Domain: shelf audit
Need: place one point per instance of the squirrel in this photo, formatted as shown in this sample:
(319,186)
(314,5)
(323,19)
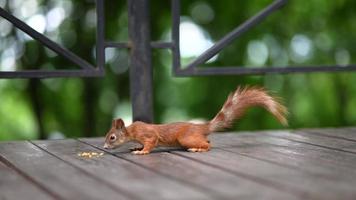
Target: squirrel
(194,137)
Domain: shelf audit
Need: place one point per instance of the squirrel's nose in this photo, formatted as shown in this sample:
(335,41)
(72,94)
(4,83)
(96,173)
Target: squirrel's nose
(106,146)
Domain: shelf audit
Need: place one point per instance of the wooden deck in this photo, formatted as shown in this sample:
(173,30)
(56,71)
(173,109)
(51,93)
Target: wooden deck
(303,164)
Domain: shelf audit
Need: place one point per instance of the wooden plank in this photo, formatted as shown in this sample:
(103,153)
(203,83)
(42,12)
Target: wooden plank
(137,181)
(218,183)
(62,179)
(298,159)
(340,133)
(307,186)
(14,186)
(309,138)
(290,152)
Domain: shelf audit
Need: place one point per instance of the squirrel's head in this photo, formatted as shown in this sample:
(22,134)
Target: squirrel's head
(117,135)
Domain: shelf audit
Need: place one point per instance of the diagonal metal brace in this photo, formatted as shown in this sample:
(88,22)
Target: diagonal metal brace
(227,39)
(45,40)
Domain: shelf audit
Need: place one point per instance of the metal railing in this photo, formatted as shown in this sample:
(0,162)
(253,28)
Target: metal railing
(141,46)
(193,68)
(87,69)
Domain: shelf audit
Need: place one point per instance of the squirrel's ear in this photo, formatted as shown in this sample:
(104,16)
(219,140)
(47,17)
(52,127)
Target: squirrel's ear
(118,123)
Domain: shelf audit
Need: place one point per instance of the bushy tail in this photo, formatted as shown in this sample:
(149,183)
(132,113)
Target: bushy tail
(242,99)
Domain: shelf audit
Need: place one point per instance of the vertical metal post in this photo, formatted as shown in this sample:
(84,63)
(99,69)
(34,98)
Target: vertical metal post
(175,7)
(141,73)
(100,35)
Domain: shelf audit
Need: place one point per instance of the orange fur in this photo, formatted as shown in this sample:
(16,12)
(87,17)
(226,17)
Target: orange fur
(190,136)
(239,101)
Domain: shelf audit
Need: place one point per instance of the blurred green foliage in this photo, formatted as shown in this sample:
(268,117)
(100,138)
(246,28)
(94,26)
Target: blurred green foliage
(312,32)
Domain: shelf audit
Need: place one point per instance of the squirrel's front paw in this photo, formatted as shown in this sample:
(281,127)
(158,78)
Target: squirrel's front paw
(142,152)
(136,149)
(198,149)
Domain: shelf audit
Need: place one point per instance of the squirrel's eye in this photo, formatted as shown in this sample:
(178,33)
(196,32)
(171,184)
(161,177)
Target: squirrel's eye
(112,137)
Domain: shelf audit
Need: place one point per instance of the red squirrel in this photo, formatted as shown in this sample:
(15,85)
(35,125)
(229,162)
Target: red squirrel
(190,136)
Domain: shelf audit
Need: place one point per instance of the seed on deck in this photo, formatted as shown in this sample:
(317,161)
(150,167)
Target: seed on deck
(90,154)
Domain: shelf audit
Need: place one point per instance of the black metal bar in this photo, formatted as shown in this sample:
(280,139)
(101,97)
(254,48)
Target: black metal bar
(226,40)
(45,40)
(125,45)
(100,34)
(141,72)
(162,45)
(51,73)
(175,7)
(120,45)
(236,70)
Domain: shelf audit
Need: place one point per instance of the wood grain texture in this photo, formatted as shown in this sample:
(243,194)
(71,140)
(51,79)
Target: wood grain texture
(14,186)
(339,133)
(215,182)
(310,138)
(290,153)
(302,164)
(120,174)
(65,181)
(293,168)
(296,182)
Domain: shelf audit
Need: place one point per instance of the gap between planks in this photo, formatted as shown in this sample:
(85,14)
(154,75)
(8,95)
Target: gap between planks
(179,158)
(60,186)
(118,172)
(331,160)
(283,137)
(282,146)
(28,178)
(87,173)
(253,177)
(342,187)
(198,187)
(340,133)
(313,143)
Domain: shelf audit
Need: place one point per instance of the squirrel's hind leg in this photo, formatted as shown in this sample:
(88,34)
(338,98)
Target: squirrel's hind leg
(195,143)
